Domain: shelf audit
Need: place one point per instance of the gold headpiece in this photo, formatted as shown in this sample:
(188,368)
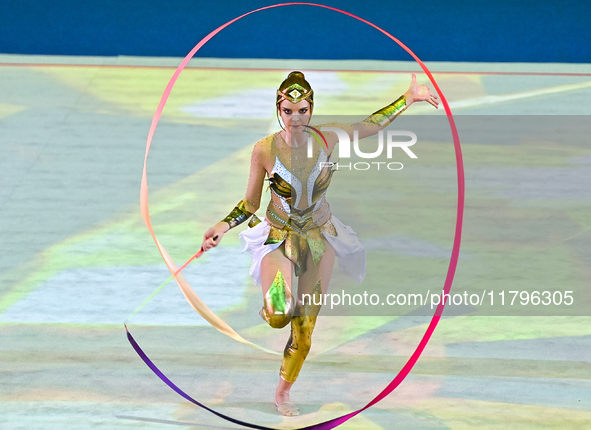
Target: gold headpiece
(295,93)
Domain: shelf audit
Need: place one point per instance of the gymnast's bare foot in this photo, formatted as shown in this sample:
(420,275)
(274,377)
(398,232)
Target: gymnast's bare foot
(284,405)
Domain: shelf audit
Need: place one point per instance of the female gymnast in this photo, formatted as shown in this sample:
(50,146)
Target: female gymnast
(299,236)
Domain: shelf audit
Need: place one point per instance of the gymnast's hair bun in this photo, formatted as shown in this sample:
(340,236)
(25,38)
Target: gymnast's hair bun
(296,75)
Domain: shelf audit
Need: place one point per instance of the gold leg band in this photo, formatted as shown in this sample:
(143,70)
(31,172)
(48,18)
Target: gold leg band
(300,340)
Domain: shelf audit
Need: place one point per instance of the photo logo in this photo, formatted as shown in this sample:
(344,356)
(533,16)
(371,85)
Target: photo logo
(345,147)
(345,143)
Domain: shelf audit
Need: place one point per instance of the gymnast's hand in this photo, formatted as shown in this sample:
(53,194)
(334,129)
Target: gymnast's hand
(420,93)
(213,236)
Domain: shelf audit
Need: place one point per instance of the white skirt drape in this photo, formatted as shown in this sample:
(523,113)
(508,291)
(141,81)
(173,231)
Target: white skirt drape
(346,245)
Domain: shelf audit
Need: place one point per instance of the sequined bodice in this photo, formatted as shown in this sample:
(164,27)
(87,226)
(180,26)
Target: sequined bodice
(289,188)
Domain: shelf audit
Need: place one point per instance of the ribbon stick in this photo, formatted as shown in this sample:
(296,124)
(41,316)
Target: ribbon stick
(218,323)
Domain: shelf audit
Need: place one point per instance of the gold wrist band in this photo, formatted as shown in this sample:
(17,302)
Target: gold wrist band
(386,115)
(238,215)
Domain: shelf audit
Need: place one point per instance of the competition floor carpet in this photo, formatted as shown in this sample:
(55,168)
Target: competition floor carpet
(77,259)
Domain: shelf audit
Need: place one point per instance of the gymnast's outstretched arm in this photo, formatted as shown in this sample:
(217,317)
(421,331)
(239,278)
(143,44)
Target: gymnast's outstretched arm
(383,117)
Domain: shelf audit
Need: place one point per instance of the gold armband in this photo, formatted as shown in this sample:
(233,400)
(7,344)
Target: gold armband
(238,215)
(387,114)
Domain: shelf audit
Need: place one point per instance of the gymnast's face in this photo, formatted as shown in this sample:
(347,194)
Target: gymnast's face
(295,115)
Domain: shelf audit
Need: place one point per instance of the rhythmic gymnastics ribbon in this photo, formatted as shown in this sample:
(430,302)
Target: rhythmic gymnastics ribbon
(217,322)
(165,283)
